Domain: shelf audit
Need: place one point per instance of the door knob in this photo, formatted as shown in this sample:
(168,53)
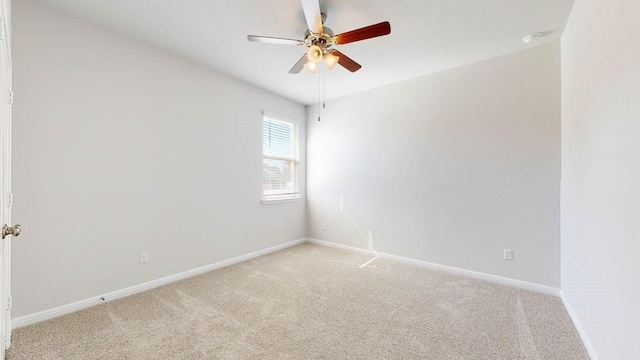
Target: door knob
(15,230)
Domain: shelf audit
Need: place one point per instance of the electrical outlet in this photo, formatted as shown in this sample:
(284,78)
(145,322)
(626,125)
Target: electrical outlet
(324,226)
(508,254)
(144,258)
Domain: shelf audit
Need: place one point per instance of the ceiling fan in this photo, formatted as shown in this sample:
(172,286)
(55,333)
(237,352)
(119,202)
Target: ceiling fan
(320,39)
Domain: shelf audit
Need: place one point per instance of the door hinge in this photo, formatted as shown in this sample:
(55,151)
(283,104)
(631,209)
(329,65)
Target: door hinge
(9,200)
(9,302)
(10,97)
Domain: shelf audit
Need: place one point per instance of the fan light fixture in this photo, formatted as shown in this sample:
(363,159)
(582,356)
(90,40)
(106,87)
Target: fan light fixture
(317,53)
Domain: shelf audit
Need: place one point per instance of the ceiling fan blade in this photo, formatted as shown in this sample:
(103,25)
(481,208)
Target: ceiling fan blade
(346,61)
(299,65)
(381,29)
(274,40)
(311,9)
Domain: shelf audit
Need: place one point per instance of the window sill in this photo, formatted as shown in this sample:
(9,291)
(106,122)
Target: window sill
(281,200)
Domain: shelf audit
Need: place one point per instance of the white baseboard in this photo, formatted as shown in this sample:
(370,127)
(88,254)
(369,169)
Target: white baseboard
(83,304)
(473,274)
(576,322)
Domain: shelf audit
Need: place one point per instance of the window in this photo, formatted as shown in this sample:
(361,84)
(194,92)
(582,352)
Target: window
(279,159)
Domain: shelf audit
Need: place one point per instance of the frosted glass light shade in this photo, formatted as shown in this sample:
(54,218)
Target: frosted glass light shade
(314,54)
(311,67)
(331,60)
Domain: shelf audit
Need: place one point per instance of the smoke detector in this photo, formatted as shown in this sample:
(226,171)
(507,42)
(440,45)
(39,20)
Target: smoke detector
(532,38)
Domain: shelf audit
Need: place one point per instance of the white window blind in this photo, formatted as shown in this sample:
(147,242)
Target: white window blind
(280,158)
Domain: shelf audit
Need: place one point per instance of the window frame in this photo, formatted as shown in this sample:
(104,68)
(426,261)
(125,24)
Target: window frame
(282,198)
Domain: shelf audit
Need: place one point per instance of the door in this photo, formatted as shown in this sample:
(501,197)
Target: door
(6,199)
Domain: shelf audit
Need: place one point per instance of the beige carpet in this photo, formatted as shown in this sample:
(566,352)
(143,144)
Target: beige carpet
(313,302)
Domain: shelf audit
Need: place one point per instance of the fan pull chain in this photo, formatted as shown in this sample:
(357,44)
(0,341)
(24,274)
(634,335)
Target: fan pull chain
(324,89)
(319,91)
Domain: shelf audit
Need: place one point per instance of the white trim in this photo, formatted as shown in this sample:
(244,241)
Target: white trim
(295,159)
(450,269)
(276,117)
(578,325)
(83,304)
(282,199)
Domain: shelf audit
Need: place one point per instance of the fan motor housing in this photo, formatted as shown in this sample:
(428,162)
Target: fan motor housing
(324,40)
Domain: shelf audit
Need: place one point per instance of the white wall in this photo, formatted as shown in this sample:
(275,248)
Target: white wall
(120,148)
(601,173)
(449,168)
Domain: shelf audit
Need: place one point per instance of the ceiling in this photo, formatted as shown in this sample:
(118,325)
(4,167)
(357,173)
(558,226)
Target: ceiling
(426,35)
